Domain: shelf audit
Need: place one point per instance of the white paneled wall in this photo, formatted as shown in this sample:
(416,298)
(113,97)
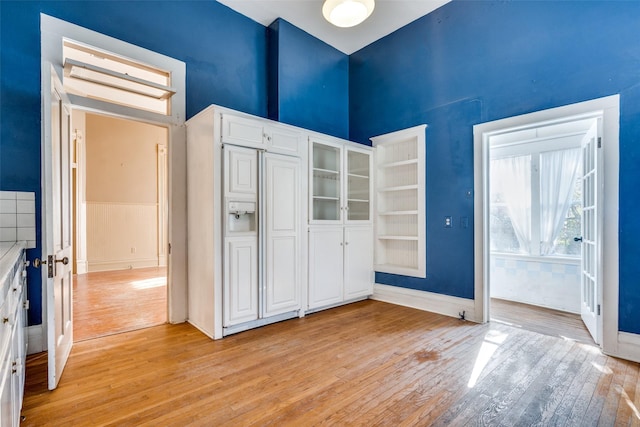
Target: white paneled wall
(18,217)
(121,235)
(553,284)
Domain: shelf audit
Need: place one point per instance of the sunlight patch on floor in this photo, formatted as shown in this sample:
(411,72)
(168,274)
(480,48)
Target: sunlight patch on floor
(154,282)
(628,401)
(491,342)
(604,369)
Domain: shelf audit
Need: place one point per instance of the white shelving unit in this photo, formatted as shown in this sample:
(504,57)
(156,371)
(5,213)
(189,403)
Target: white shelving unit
(400,202)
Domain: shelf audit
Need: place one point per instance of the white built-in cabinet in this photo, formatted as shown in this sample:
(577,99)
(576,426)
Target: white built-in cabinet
(400,202)
(341,229)
(281,219)
(13,342)
(340,182)
(246,214)
(255,132)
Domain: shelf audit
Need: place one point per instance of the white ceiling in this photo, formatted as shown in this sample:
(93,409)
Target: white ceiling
(388,16)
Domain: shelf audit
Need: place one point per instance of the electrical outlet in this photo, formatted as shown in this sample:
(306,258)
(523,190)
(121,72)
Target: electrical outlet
(448,222)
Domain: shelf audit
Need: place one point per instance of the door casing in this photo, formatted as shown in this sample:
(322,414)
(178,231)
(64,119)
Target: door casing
(609,109)
(53,31)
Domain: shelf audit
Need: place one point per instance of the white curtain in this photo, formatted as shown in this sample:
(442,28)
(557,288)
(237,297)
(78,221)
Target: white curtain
(511,177)
(558,174)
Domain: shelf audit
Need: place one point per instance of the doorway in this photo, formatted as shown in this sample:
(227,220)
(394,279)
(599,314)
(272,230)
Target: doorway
(535,227)
(120,222)
(602,262)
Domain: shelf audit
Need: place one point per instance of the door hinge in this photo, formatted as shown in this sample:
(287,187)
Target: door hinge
(169,248)
(598,309)
(599,142)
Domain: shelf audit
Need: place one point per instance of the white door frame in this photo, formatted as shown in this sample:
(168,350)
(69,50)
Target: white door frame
(52,32)
(609,109)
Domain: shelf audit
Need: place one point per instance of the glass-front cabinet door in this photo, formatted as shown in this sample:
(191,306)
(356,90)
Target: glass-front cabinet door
(358,168)
(326,202)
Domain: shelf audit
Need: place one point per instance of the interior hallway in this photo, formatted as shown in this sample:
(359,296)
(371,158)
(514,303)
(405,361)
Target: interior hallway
(112,302)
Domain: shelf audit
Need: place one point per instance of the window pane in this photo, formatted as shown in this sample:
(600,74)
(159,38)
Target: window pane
(503,236)
(565,245)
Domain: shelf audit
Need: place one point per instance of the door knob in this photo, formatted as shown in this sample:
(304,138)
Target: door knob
(64,260)
(577,239)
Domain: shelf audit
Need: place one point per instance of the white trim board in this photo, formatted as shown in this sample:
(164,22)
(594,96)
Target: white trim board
(35,340)
(426,301)
(628,347)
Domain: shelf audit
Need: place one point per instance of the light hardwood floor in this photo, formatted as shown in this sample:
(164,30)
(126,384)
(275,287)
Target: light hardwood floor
(112,302)
(368,363)
(540,319)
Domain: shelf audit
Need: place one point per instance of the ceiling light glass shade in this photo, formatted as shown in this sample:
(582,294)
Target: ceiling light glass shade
(347,13)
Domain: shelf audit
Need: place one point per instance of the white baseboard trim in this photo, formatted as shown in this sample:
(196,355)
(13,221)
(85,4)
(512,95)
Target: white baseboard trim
(122,264)
(82,266)
(427,301)
(628,346)
(35,339)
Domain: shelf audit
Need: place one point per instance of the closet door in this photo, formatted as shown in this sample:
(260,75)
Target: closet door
(282,234)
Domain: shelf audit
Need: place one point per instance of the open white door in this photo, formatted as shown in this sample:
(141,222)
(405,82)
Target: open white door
(591,274)
(57,235)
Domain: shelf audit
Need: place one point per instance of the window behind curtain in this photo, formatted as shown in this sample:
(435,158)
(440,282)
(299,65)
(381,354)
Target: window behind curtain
(511,227)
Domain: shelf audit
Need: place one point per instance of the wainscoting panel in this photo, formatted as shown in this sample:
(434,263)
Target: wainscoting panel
(121,236)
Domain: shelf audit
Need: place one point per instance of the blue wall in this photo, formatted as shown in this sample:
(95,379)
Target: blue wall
(308,81)
(225,54)
(472,62)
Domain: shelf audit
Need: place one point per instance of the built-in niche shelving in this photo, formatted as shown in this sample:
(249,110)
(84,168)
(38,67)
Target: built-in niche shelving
(400,202)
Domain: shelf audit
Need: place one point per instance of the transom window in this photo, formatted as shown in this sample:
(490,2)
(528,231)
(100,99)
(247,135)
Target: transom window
(93,73)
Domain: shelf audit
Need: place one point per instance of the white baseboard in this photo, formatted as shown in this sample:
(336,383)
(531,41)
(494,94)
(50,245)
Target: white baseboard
(427,301)
(122,264)
(35,340)
(82,267)
(628,347)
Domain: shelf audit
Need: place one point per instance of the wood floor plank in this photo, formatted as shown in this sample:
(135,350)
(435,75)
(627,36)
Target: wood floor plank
(369,363)
(112,302)
(628,411)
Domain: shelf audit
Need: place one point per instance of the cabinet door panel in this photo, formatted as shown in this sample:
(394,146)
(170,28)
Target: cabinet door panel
(241,131)
(325,266)
(282,234)
(241,171)
(240,280)
(284,141)
(358,262)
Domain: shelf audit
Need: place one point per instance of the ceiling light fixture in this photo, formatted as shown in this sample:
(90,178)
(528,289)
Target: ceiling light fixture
(347,13)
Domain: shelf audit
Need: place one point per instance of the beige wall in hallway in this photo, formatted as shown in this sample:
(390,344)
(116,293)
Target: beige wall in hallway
(122,192)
